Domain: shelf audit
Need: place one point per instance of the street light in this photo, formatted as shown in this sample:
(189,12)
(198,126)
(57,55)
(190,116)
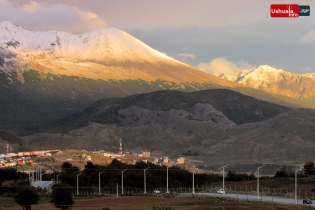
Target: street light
(78,183)
(193,180)
(295,193)
(57,178)
(258,180)
(122,181)
(99,182)
(167,180)
(223,177)
(41,181)
(145,187)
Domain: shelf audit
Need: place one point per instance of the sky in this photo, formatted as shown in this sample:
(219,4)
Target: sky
(223,36)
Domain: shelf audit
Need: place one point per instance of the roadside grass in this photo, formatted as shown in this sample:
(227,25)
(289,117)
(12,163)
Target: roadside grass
(149,203)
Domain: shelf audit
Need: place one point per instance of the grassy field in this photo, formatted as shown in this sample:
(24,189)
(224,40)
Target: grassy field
(144,203)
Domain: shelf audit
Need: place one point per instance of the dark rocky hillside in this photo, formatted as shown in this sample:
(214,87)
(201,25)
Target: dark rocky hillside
(210,137)
(212,126)
(234,106)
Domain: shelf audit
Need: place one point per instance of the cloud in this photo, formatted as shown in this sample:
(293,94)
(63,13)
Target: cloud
(142,14)
(307,69)
(221,65)
(309,38)
(44,16)
(189,55)
(32,7)
(181,13)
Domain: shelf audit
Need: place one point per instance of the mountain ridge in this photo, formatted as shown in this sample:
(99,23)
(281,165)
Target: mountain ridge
(107,53)
(277,81)
(176,122)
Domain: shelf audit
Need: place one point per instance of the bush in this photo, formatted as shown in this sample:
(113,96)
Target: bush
(236,177)
(281,173)
(309,168)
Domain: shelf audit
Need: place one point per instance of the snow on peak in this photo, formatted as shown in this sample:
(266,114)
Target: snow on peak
(258,74)
(105,53)
(109,44)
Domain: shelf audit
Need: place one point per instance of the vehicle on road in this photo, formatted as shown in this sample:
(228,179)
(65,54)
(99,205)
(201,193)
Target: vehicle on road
(220,191)
(157,191)
(307,201)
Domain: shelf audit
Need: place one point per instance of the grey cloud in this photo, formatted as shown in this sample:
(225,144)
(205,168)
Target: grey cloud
(309,38)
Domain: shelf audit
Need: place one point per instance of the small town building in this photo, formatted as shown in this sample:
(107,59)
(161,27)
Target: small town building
(144,153)
(180,160)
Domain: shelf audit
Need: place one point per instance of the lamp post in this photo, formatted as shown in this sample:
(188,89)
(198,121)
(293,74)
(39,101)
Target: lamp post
(167,180)
(223,176)
(258,180)
(57,178)
(99,182)
(295,192)
(78,183)
(122,181)
(41,181)
(145,187)
(193,180)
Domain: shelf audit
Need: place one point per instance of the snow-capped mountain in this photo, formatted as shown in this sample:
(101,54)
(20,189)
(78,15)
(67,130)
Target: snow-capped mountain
(107,53)
(276,81)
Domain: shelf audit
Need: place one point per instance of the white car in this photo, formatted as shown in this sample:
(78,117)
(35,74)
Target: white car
(157,191)
(220,191)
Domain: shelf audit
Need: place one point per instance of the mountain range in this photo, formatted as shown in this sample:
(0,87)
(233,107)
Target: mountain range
(212,127)
(105,54)
(277,81)
(88,90)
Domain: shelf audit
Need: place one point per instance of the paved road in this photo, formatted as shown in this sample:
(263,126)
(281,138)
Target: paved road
(252,198)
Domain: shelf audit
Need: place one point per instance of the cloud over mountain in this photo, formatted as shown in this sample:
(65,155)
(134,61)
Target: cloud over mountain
(221,65)
(51,15)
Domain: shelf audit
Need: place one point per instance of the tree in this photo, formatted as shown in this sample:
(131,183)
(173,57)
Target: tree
(61,196)
(26,198)
(281,173)
(67,167)
(309,168)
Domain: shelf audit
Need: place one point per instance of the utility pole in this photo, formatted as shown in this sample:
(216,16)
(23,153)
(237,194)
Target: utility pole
(258,180)
(223,175)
